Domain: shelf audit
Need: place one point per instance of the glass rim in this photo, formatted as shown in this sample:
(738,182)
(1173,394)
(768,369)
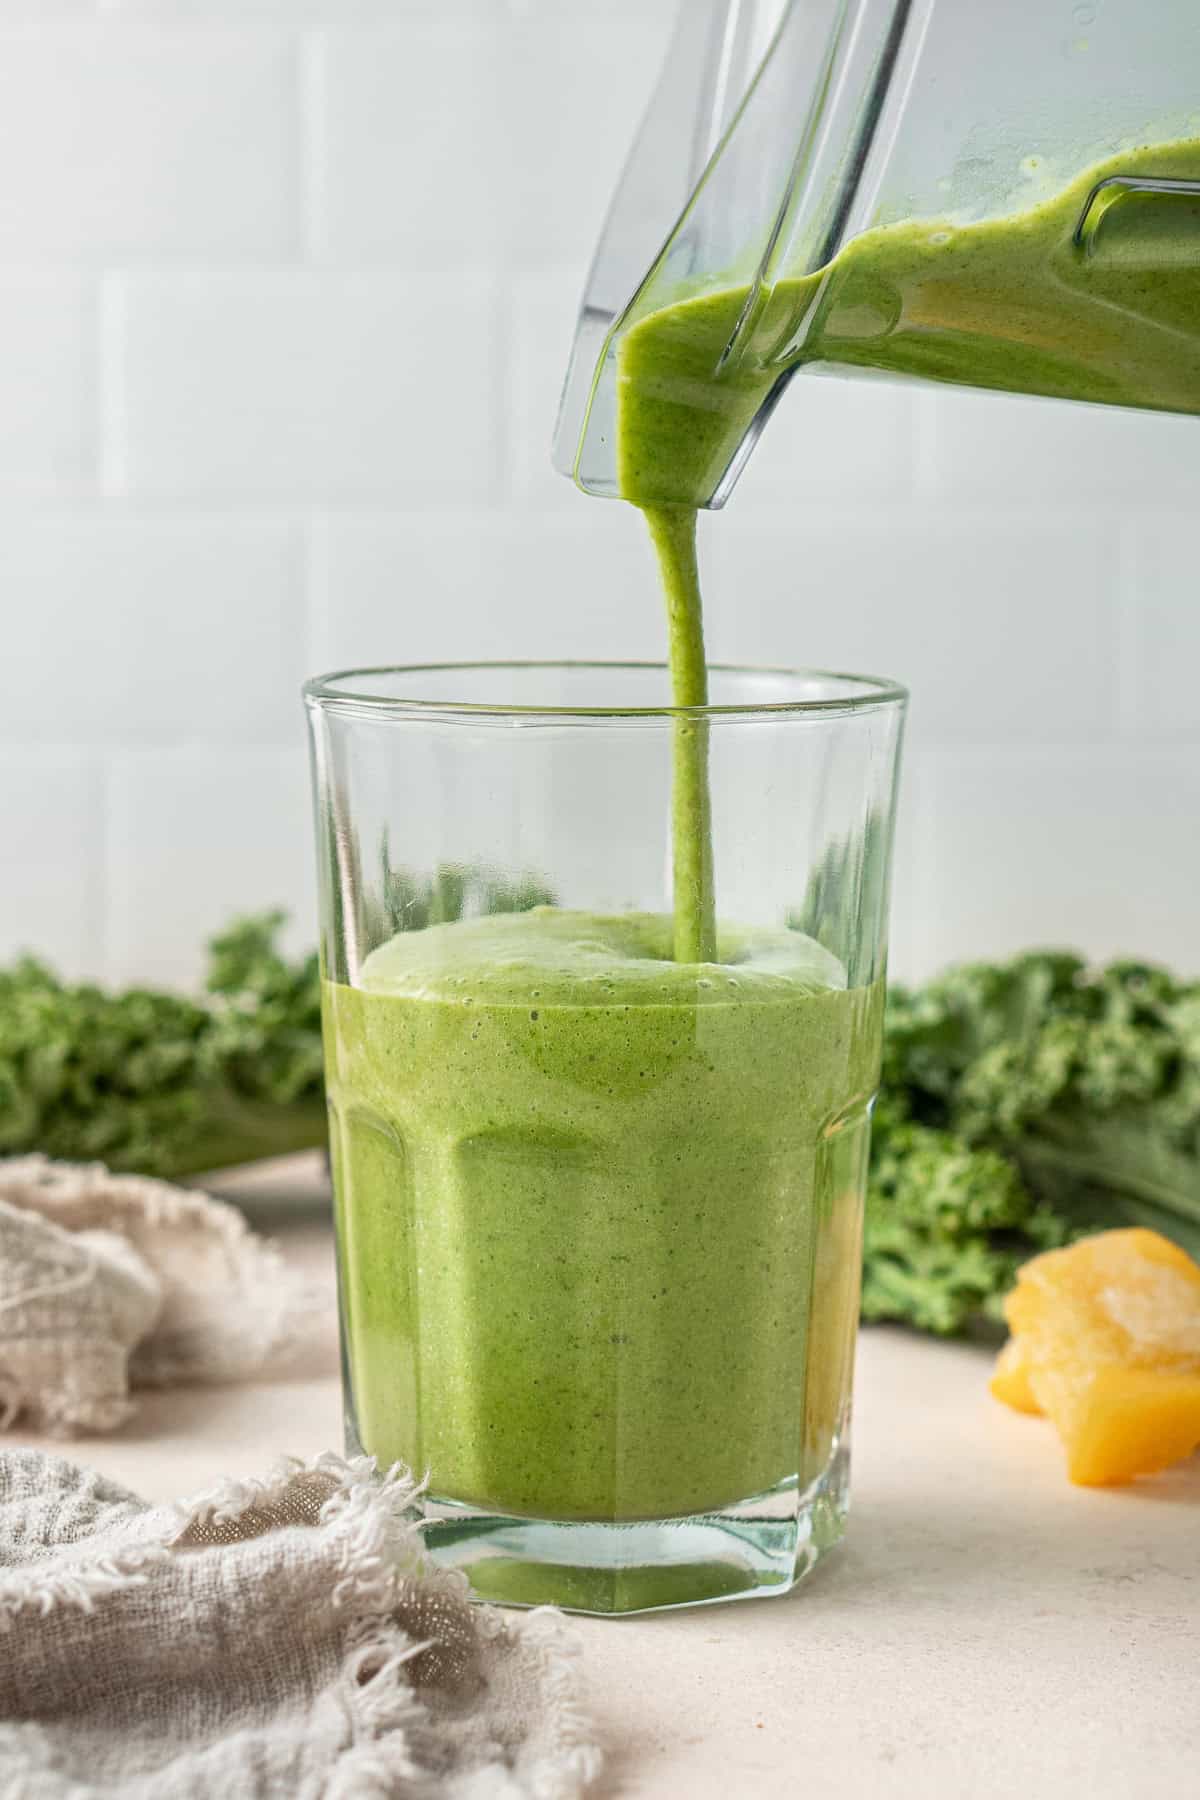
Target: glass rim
(326,693)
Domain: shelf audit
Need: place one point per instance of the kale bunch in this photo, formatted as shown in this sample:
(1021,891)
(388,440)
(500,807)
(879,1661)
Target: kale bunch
(1025,1102)
(158,1082)
(86,1074)
(266,1014)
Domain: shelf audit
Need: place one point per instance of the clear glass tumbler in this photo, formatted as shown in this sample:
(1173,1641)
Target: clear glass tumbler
(599,1212)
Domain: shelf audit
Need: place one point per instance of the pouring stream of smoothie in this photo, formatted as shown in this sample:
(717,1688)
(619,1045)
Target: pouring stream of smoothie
(673,529)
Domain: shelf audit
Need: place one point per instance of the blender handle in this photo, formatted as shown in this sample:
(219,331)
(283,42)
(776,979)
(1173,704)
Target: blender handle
(1102,206)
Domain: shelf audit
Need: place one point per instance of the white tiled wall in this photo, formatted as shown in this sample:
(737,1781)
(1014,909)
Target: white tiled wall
(286,288)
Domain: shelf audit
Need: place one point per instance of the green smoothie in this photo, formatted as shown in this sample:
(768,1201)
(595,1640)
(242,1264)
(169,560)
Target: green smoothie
(598,1209)
(1010,303)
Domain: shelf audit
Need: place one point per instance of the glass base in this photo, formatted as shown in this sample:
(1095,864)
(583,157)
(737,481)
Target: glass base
(753,1549)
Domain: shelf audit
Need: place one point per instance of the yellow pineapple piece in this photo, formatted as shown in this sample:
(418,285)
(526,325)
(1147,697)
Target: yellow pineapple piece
(1010,1379)
(1106,1342)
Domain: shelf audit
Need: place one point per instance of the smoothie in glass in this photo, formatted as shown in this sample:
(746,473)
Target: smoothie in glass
(599,1209)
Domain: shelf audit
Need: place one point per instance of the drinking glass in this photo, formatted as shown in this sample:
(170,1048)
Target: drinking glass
(599,1212)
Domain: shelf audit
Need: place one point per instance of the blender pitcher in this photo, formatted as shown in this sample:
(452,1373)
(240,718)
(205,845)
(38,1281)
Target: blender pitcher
(1003,197)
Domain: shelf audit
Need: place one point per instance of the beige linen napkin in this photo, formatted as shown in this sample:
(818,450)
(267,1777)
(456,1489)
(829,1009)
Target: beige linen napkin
(287,1639)
(109,1282)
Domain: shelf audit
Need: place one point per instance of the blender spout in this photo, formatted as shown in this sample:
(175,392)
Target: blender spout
(716,50)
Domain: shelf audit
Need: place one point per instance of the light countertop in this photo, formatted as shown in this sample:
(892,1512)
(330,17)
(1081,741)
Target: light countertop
(985,1631)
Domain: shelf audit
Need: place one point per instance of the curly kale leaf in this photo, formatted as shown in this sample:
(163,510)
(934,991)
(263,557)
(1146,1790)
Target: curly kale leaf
(992,1050)
(947,1227)
(86,1074)
(265,1040)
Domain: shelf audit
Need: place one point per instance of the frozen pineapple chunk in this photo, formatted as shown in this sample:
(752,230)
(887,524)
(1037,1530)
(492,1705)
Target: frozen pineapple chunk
(1010,1379)
(1106,1343)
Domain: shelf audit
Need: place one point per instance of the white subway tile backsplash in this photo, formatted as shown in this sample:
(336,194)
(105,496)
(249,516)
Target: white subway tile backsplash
(833,440)
(997,448)
(1004,631)
(1163,628)
(1095,848)
(293,12)
(542,309)
(663,11)
(572,87)
(48,383)
(196,836)
(306,386)
(400,590)
(121,630)
(342,12)
(137,143)
(413,589)
(51,823)
(409,129)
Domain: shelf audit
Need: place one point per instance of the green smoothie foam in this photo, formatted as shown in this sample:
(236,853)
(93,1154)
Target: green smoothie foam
(584,1194)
